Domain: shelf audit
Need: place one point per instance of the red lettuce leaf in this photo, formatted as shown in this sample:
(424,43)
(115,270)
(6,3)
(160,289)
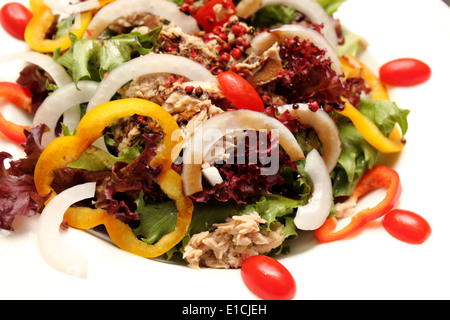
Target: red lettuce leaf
(118,192)
(18,194)
(244,183)
(36,79)
(308,77)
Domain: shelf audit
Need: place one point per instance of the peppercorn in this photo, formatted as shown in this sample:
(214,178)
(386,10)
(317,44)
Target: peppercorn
(225,56)
(236,53)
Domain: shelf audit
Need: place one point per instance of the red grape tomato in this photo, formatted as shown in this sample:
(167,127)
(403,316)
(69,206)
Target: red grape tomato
(407,226)
(267,278)
(404,72)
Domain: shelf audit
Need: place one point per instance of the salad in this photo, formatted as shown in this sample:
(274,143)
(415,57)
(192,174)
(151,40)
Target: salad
(207,131)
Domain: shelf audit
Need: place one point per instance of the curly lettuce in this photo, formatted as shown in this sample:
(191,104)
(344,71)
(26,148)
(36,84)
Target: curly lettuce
(357,154)
(91,59)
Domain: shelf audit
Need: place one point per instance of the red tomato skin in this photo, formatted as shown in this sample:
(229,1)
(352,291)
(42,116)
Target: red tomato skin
(240,92)
(206,16)
(404,72)
(406,226)
(267,278)
(14,18)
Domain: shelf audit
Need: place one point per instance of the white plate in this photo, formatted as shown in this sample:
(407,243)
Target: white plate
(371,265)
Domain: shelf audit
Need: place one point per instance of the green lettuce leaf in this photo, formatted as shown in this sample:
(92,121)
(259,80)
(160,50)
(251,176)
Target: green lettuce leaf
(357,154)
(277,208)
(160,218)
(157,219)
(353,45)
(331,6)
(91,59)
(96,159)
(385,114)
(272,15)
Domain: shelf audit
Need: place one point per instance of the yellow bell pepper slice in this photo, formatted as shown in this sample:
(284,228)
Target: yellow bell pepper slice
(352,67)
(371,133)
(65,150)
(35,32)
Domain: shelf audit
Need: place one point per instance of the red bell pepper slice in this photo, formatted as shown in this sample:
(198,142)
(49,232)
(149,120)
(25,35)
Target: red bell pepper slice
(17,95)
(376,178)
(20,97)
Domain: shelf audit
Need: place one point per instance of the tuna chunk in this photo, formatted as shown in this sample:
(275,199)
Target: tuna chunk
(233,241)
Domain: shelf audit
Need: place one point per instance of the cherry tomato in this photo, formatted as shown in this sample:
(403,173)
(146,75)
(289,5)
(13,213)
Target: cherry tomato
(14,18)
(407,226)
(404,72)
(207,17)
(267,278)
(240,92)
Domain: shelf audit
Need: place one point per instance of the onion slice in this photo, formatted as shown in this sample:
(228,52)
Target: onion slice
(61,100)
(325,127)
(54,69)
(50,241)
(218,126)
(120,8)
(312,215)
(150,63)
(265,40)
(60,7)
(310,8)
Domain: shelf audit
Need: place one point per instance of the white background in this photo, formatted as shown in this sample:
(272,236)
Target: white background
(371,265)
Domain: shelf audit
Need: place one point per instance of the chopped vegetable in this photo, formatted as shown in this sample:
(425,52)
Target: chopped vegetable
(170,11)
(214,13)
(375,178)
(12,131)
(55,70)
(217,127)
(43,17)
(16,94)
(312,215)
(91,59)
(371,133)
(18,194)
(324,126)
(20,97)
(61,100)
(151,63)
(64,150)
(240,92)
(50,241)
(284,33)
(310,8)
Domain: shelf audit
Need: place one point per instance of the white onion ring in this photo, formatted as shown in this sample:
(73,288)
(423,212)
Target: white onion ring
(310,8)
(150,63)
(51,243)
(61,100)
(120,8)
(58,6)
(54,69)
(312,215)
(221,124)
(326,129)
(265,40)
